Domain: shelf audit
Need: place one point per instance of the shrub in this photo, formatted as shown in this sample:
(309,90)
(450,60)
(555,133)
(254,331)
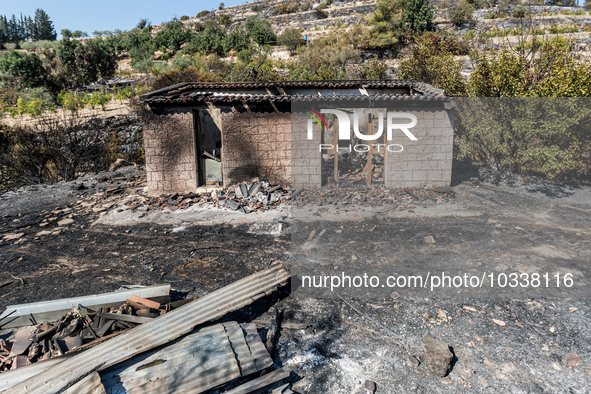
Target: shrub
(184,17)
(236,40)
(189,74)
(181,63)
(291,38)
(462,13)
(172,36)
(28,68)
(519,12)
(224,19)
(99,98)
(211,40)
(288,8)
(317,62)
(259,30)
(431,60)
(125,93)
(374,69)
(86,62)
(546,137)
(202,14)
(245,55)
(138,43)
(71,101)
(144,66)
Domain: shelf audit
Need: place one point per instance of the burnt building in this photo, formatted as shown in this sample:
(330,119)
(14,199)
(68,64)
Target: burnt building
(299,134)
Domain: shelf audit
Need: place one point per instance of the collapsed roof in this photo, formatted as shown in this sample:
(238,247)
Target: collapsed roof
(204,94)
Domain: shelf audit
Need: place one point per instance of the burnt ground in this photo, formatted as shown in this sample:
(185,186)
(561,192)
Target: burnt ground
(353,336)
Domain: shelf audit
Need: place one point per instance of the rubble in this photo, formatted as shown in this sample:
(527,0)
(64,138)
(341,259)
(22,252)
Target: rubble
(255,196)
(373,197)
(31,344)
(225,352)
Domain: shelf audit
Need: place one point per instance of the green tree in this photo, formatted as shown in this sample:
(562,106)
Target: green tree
(291,38)
(86,62)
(43,27)
(259,29)
(236,40)
(172,36)
(418,15)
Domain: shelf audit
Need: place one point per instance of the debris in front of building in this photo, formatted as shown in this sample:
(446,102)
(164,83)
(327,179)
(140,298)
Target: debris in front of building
(80,327)
(374,197)
(255,196)
(125,347)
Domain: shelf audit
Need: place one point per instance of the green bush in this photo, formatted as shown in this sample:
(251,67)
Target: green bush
(462,13)
(291,38)
(554,71)
(225,20)
(519,12)
(319,62)
(172,36)
(236,40)
(190,74)
(529,136)
(184,17)
(138,43)
(101,99)
(71,101)
(431,60)
(374,69)
(259,30)
(28,68)
(181,63)
(144,66)
(85,62)
(203,13)
(288,8)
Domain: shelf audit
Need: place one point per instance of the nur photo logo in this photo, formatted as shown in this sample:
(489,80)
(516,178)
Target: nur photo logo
(388,122)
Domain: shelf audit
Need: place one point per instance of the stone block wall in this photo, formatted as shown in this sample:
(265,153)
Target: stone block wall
(306,158)
(256,144)
(169,145)
(427,161)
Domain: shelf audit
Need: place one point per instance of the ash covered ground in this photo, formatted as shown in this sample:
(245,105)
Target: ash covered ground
(80,238)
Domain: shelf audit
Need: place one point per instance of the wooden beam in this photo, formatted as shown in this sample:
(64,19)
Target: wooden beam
(128,318)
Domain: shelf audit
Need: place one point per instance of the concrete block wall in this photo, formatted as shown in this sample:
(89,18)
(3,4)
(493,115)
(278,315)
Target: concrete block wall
(256,144)
(170,153)
(427,161)
(306,157)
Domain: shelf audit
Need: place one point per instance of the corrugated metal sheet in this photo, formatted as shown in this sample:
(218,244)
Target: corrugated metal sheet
(200,361)
(160,331)
(276,92)
(89,385)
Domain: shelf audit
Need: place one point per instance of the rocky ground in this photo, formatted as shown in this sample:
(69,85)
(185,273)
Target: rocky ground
(81,238)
